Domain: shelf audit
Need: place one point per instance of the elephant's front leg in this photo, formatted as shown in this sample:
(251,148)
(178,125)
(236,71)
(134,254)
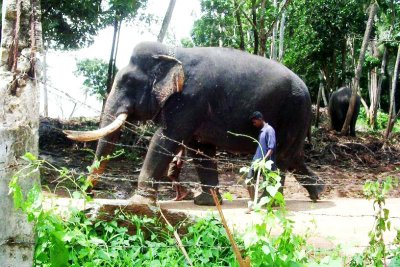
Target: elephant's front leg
(160,153)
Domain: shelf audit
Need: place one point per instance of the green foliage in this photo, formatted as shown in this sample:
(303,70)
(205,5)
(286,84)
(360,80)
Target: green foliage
(382,119)
(122,10)
(73,24)
(74,239)
(95,73)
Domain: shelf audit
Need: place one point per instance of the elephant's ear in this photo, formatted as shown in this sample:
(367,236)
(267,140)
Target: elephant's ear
(169,80)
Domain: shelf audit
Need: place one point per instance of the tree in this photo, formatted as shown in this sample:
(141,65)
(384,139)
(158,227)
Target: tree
(95,73)
(68,25)
(20,43)
(167,19)
(392,111)
(71,24)
(314,43)
(356,81)
(118,12)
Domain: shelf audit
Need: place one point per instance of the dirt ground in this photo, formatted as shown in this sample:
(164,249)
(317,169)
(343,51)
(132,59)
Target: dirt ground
(345,163)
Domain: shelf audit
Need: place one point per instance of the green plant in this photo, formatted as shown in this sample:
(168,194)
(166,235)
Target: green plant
(74,239)
(381,120)
(377,253)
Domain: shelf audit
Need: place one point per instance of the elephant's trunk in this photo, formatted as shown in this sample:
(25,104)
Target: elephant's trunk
(85,136)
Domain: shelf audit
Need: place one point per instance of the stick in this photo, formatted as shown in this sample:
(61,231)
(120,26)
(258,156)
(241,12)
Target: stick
(256,187)
(178,239)
(242,263)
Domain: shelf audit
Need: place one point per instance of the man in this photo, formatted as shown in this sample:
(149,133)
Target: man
(266,144)
(174,171)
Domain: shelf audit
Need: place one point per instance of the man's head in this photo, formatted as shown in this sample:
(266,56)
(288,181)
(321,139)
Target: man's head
(257,119)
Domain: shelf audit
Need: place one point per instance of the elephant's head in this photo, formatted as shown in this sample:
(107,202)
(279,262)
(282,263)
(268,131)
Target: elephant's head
(139,92)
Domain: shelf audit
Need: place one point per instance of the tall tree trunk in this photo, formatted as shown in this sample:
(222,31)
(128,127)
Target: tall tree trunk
(19,94)
(392,111)
(263,35)
(45,97)
(328,83)
(114,66)
(344,69)
(274,33)
(110,64)
(324,98)
(111,60)
(334,73)
(239,23)
(321,88)
(255,32)
(356,81)
(376,86)
(166,21)
(282,36)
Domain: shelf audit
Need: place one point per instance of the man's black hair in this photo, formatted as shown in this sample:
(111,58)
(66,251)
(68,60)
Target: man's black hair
(256,115)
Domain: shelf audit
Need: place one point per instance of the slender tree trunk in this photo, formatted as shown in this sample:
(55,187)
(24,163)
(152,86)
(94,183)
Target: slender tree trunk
(392,111)
(114,69)
(344,69)
(263,35)
(166,21)
(239,23)
(324,98)
(21,41)
(45,97)
(255,32)
(274,33)
(334,73)
(326,77)
(282,36)
(111,60)
(356,81)
(376,86)
(110,64)
(321,88)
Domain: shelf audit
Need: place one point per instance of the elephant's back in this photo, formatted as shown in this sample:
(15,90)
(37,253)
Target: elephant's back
(238,83)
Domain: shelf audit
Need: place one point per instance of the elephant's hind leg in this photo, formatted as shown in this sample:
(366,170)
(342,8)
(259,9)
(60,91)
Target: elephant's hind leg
(309,180)
(206,167)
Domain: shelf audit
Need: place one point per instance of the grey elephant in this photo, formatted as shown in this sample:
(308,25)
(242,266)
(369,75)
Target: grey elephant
(338,106)
(198,96)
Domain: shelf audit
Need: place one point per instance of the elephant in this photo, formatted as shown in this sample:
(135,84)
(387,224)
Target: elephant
(338,106)
(198,97)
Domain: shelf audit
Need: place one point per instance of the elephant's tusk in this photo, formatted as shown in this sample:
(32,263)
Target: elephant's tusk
(84,136)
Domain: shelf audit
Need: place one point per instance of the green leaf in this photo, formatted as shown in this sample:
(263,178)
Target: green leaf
(228,196)
(29,157)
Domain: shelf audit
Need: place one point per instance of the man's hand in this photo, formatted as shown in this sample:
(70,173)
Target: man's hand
(269,154)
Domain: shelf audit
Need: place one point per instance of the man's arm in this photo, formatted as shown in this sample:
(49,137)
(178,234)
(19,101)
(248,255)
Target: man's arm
(270,143)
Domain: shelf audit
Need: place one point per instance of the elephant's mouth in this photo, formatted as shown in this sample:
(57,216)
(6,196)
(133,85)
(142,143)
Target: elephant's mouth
(85,136)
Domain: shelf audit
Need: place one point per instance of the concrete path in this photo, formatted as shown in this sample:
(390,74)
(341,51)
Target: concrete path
(330,223)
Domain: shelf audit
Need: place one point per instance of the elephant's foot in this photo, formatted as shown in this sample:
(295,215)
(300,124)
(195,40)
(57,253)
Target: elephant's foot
(315,190)
(145,195)
(206,199)
(138,199)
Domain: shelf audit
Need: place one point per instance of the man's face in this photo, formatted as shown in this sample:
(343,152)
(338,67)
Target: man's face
(257,123)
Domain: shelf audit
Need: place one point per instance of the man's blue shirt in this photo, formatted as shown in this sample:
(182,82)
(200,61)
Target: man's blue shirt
(267,141)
